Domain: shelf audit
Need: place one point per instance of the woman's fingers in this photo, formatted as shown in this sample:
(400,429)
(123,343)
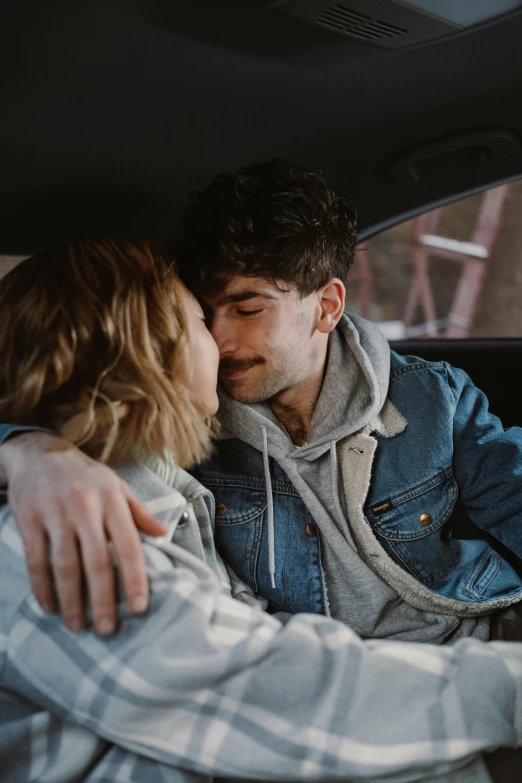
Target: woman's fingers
(37,559)
(67,573)
(122,514)
(98,568)
(143,519)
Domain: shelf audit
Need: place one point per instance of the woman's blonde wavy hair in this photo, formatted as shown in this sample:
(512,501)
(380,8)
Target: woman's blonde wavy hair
(94,345)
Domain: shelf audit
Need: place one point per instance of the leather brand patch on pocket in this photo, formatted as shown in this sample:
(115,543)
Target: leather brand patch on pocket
(384,506)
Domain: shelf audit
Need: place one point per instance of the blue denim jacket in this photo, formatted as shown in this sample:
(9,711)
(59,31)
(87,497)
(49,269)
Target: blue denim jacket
(444,500)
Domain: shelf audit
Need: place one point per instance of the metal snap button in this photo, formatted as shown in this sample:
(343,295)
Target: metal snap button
(221,509)
(426,520)
(311,530)
(184,518)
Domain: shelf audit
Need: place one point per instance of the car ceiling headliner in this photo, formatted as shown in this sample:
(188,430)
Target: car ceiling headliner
(112,111)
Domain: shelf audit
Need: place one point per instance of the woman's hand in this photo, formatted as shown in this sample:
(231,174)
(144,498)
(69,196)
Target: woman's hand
(68,507)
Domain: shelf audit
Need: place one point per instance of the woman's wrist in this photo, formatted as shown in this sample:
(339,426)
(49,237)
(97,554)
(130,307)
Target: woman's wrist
(18,446)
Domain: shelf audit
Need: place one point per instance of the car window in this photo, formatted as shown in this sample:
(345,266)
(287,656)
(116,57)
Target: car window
(453,272)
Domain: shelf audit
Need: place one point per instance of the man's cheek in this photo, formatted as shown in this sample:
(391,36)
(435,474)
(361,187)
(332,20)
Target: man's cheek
(271,341)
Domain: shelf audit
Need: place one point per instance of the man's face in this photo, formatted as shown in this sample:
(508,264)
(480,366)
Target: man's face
(266,337)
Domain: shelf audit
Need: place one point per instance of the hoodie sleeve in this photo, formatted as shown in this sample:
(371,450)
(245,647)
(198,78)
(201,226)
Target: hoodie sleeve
(487,463)
(211,685)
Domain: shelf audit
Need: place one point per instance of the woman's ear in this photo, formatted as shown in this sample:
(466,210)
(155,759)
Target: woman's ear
(331,300)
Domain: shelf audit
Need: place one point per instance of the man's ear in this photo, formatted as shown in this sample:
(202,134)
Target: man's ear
(331,300)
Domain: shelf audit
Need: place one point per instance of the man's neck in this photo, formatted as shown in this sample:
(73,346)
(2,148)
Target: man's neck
(295,407)
(295,422)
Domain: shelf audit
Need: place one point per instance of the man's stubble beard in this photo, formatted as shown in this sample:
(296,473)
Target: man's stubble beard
(265,388)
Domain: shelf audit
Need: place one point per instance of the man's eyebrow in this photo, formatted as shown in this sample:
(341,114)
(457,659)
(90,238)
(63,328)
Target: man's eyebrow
(242,296)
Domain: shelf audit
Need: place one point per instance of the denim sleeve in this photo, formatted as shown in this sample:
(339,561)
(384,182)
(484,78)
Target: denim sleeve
(6,430)
(487,462)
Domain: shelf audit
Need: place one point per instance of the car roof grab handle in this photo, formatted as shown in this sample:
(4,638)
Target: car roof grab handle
(494,144)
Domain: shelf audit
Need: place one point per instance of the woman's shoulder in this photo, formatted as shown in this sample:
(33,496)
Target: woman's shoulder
(152,485)
(152,472)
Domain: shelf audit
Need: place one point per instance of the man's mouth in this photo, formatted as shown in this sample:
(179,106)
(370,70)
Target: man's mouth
(231,370)
(231,374)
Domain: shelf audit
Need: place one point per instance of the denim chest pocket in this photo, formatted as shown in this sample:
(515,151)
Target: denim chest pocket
(239,526)
(410,526)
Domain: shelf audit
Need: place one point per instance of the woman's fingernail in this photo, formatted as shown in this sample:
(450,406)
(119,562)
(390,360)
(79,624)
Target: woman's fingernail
(139,603)
(105,625)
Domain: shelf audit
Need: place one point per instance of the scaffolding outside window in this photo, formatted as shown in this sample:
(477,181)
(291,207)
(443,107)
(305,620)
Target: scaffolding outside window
(453,272)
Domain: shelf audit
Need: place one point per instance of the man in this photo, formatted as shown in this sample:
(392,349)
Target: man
(267,251)
(357,455)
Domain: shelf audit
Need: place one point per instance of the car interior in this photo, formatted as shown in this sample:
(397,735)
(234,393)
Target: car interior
(113,111)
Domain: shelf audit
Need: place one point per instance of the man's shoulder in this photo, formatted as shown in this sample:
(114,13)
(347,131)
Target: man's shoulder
(403,365)
(414,380)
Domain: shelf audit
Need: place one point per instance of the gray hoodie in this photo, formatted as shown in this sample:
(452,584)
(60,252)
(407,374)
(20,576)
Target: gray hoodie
(352,396)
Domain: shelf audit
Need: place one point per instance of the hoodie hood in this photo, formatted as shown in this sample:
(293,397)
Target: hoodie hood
(353,392)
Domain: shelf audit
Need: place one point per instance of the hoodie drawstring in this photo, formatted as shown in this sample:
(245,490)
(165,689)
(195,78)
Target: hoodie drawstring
(270,506)
(334,473)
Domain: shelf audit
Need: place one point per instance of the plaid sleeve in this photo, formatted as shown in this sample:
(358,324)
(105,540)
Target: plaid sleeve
(209,684)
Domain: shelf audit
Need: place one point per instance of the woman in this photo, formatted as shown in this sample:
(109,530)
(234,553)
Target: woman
(95,341)
(101,343)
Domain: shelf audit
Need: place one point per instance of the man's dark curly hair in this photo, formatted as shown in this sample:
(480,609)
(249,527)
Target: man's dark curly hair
(274,220)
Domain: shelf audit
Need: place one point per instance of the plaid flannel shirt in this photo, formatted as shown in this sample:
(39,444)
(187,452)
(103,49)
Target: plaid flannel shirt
(205,685)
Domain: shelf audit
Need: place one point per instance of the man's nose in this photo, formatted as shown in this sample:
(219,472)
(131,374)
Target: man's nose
(223,334)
